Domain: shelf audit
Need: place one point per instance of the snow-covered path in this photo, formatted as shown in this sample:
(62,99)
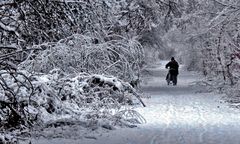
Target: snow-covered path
(176,115)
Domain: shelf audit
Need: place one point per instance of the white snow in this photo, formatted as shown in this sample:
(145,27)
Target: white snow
(111,80)
(174,115)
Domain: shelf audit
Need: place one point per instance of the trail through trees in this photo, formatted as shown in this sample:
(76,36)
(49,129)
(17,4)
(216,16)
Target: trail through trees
(174,115)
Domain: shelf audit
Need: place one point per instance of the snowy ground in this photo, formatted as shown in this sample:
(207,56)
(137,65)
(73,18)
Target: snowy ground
(174,114)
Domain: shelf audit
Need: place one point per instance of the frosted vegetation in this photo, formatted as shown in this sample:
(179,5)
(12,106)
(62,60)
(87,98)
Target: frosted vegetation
(73,60)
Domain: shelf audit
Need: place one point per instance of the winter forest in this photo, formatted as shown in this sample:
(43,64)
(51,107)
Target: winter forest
(93,71)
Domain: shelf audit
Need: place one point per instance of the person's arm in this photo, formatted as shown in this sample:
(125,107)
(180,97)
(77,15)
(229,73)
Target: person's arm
(167,65)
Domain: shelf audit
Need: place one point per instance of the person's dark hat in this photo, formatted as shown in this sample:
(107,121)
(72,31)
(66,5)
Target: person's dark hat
(172,58)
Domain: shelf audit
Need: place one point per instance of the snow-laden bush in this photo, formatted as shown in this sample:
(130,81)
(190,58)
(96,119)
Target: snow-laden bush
(46,99)
(15,94)
(99,96)
(7,139)
(116,56)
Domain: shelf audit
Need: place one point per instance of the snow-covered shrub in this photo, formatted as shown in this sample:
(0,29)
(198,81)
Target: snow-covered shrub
(99,96)
(7,139)
(15,95)
(117,56)
(47,98)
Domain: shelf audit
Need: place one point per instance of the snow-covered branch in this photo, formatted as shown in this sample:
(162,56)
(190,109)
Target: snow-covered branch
(8,28)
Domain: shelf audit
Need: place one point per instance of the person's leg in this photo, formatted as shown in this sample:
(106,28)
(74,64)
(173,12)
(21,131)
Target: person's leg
(174,80)
(172,76)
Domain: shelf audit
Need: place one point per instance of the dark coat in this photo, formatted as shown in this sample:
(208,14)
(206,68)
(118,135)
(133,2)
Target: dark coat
(173,65)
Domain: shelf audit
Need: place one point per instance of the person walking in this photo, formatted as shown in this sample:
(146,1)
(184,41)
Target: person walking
(173,71)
